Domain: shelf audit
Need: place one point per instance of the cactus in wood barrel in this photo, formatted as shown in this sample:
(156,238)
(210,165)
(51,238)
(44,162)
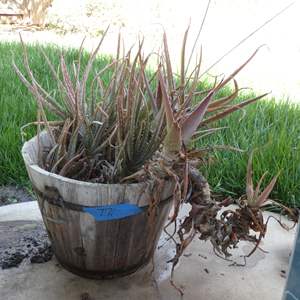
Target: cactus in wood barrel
(138,126)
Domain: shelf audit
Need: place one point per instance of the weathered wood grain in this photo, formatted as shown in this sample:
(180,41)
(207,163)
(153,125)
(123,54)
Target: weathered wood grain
(83,245)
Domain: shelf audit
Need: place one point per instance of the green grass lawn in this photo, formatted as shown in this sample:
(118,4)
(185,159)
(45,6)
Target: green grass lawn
(268,126)
(273,130)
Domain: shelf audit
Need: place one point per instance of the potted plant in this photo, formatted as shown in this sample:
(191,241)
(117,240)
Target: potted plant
(119,155)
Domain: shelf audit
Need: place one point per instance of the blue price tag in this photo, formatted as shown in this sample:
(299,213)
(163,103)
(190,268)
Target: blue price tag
(113,212)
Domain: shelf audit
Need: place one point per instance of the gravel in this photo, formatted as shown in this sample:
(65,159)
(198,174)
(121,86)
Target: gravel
(23,242)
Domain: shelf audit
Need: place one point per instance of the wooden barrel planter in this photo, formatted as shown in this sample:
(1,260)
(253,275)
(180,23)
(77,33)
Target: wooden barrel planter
(97,230)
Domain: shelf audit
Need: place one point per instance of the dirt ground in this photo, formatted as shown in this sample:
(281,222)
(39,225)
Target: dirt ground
(13,194)
(23,242)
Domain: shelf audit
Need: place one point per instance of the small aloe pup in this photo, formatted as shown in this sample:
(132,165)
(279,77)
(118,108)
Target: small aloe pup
(251,206)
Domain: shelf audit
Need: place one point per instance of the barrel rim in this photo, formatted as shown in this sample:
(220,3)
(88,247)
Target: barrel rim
(83,183)
(28,161)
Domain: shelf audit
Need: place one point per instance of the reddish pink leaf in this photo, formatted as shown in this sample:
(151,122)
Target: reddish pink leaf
(192,122)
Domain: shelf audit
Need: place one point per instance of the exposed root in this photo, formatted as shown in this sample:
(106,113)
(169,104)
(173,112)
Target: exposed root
(178,289)
(208,219)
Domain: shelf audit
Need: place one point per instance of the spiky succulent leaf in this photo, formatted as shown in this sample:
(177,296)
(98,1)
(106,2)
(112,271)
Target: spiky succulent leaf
(191,123)
(254,197)
(263,197)
(111,131)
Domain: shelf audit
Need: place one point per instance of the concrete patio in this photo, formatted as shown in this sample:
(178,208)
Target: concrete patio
(200,274)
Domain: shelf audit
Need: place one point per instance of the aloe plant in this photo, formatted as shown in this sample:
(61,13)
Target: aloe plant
(255,197)
(138,127)
(109,133)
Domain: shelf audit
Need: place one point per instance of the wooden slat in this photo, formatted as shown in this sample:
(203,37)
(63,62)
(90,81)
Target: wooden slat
(97,248)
